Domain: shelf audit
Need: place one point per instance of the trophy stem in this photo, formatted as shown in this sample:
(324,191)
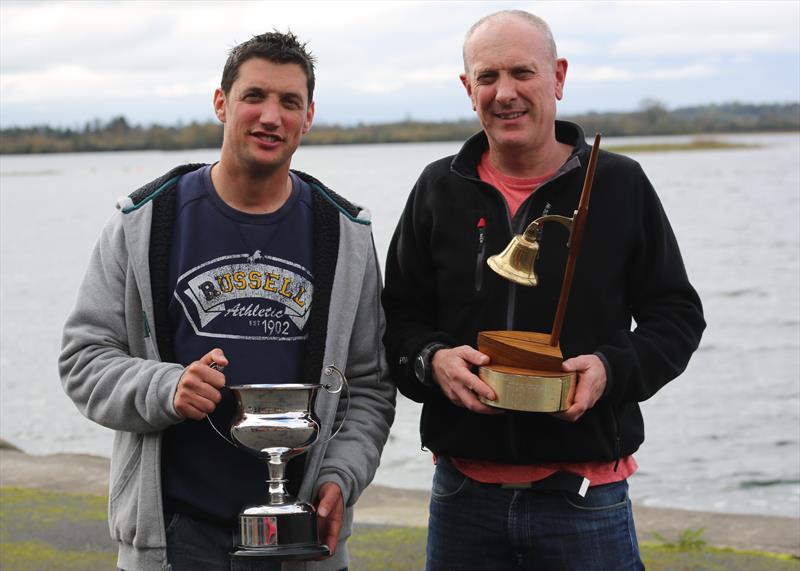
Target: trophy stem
(277,478)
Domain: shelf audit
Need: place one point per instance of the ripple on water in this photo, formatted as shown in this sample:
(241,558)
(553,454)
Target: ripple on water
(749,484)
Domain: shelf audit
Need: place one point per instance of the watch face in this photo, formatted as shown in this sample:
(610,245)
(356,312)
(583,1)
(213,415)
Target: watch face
(419,368)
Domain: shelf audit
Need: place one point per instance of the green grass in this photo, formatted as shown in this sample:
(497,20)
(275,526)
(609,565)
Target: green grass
(687,540)
(379,548)
(38,556)
(659,557)
(67,532)
(693,145)
(42,507)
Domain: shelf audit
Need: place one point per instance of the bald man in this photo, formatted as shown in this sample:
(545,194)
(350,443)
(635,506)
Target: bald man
(519,490)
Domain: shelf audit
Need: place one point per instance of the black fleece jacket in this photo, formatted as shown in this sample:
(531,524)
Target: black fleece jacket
(439,288)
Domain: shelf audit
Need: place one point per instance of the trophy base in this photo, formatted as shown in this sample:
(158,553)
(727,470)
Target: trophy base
(528,390)
(282,553)
(286,531)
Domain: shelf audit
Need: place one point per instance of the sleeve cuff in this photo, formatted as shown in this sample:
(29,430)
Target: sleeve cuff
(609,378)
(336,478)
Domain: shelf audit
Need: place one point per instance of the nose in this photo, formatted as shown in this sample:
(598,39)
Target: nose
(506,89)
(270,113)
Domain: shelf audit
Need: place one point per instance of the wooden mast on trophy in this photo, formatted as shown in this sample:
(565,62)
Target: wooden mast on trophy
(525,370)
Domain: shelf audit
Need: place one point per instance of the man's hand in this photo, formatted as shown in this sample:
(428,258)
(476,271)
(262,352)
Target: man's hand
(330,512)
(451,371)
(591,383)
(198,389)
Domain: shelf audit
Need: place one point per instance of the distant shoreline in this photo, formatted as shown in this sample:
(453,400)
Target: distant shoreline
(702,142)
(118,134)
(699,144)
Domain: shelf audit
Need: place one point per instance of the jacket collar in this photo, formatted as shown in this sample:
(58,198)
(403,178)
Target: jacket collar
(466,161)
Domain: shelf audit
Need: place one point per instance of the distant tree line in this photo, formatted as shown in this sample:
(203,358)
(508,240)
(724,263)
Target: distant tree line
(115,135)
(653,118)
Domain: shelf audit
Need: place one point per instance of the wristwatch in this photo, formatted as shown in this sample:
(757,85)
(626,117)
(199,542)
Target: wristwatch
(422,364)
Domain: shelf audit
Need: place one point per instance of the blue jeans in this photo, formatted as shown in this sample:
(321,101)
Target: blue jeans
(484,527)
(194,544)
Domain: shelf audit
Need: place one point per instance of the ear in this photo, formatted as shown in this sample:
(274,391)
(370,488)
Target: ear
(219,104)
(561,77)
(465,82)
(309,118)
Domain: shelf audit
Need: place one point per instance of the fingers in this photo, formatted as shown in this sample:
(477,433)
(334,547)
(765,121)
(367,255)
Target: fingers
(198,391)
(451,371)
(215,356)
(330,512)
(580,363)
(468,387)
(471,355)
(573,413)
(591,383)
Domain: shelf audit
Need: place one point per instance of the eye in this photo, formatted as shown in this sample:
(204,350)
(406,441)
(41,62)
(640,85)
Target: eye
(292,103)
(485,78)
(524,73)
(252,96)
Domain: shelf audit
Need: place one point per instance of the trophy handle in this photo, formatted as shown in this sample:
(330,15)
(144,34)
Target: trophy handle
(342,383)
(219,368)
(228,440)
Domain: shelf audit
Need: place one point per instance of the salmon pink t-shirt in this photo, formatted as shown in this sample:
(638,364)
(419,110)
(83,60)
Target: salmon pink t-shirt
(598,472)
(514,190)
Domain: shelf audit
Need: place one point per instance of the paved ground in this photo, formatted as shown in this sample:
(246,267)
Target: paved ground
(80,473)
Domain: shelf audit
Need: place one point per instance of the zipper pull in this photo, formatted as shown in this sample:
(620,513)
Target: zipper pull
(479,263)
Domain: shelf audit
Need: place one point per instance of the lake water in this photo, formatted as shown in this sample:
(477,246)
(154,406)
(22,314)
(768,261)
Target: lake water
(724,437)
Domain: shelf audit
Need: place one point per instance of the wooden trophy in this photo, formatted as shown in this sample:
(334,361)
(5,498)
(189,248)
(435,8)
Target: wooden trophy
(525,369)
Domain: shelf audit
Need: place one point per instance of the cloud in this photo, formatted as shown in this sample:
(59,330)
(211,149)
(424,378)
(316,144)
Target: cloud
(392,81)
(609,73)
(601,73)
(738,42)
(683,72)
(77,81)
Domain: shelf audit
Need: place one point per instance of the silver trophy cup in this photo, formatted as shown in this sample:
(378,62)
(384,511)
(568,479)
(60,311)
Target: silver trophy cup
(276,423)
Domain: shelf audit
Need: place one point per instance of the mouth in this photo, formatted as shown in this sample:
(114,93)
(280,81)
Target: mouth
(266,137)
(510,115)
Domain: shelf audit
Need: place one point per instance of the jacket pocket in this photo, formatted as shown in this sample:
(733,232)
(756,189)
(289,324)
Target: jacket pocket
(124,493)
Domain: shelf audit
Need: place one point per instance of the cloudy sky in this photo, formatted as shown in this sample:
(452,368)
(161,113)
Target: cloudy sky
(64,63)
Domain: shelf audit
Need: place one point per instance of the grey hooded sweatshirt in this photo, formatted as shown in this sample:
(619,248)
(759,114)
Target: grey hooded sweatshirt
(116,363)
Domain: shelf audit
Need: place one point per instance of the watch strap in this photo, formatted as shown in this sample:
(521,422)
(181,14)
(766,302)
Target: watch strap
(426,354)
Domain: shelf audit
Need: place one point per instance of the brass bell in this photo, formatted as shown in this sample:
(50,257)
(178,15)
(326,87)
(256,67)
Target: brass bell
(516,262)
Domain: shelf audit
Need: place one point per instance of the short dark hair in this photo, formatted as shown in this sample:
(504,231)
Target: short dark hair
(274,46)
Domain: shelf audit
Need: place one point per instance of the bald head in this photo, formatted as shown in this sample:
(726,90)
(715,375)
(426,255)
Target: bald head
(504,15)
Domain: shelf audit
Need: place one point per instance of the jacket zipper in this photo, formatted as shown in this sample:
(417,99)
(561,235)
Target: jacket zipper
(146,324)
(481,255)
(617,437)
